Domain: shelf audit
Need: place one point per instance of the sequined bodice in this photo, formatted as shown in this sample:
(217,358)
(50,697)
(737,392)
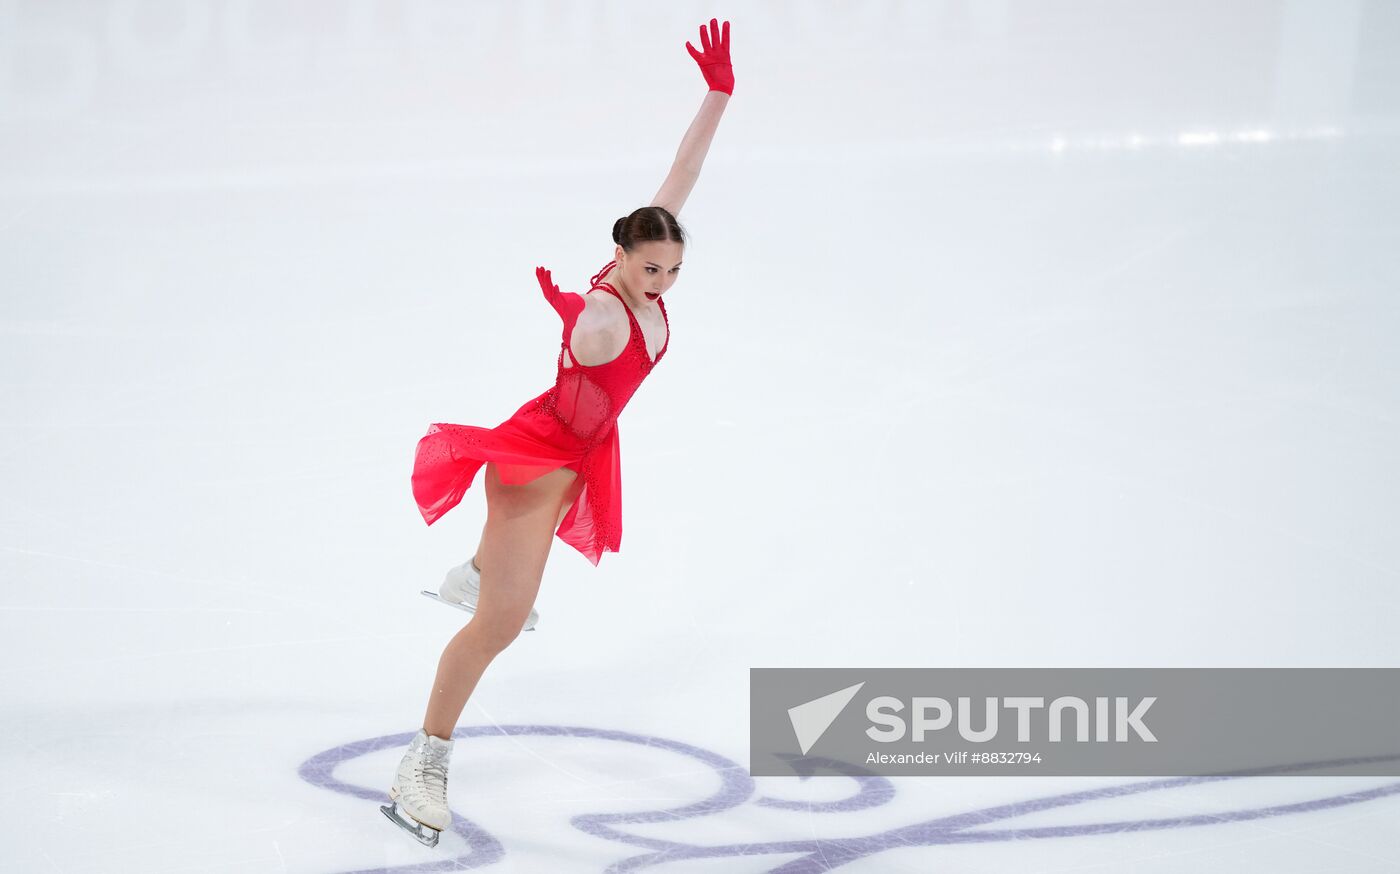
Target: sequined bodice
(587,399)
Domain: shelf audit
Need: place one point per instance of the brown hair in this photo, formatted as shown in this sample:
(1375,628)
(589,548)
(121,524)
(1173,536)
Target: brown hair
(645,225)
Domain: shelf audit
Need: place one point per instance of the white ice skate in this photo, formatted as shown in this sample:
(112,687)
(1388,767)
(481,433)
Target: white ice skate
(419,793)
(462,586)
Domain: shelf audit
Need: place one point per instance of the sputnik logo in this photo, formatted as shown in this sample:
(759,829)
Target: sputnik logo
(811,720)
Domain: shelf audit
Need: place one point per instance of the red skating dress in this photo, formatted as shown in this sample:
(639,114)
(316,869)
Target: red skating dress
(573,425)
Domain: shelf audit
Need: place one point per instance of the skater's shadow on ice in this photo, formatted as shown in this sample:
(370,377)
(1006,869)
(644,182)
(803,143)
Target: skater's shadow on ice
(736,787)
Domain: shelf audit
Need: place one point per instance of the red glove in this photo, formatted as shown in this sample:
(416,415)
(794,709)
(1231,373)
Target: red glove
(714,63)
(567,304)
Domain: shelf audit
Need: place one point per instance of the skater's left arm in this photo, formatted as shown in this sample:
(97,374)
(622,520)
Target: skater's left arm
(715,66)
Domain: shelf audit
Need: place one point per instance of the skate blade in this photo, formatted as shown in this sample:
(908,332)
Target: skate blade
(466,608)
(423,834)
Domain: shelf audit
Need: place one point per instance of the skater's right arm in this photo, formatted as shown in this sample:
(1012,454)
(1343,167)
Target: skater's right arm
(601,332)
(595,325)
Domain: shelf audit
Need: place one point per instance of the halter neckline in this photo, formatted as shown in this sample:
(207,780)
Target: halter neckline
(596,281)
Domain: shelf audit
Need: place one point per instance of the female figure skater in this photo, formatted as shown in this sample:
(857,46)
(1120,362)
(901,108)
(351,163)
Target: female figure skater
(553,468)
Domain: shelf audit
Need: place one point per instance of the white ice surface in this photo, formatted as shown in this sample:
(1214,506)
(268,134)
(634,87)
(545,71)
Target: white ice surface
(1009,334)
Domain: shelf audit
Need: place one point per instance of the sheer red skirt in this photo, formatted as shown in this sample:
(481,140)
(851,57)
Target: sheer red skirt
(528,445)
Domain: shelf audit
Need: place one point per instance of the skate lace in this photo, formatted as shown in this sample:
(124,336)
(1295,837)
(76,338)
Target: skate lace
(434,771)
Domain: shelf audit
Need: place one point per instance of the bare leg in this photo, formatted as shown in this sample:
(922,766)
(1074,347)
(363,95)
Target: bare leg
(520,522)
(563,511)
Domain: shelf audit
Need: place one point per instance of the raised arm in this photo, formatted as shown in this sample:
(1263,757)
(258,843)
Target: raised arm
(690,157)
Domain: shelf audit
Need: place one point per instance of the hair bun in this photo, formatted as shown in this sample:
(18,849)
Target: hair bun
(647,224)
